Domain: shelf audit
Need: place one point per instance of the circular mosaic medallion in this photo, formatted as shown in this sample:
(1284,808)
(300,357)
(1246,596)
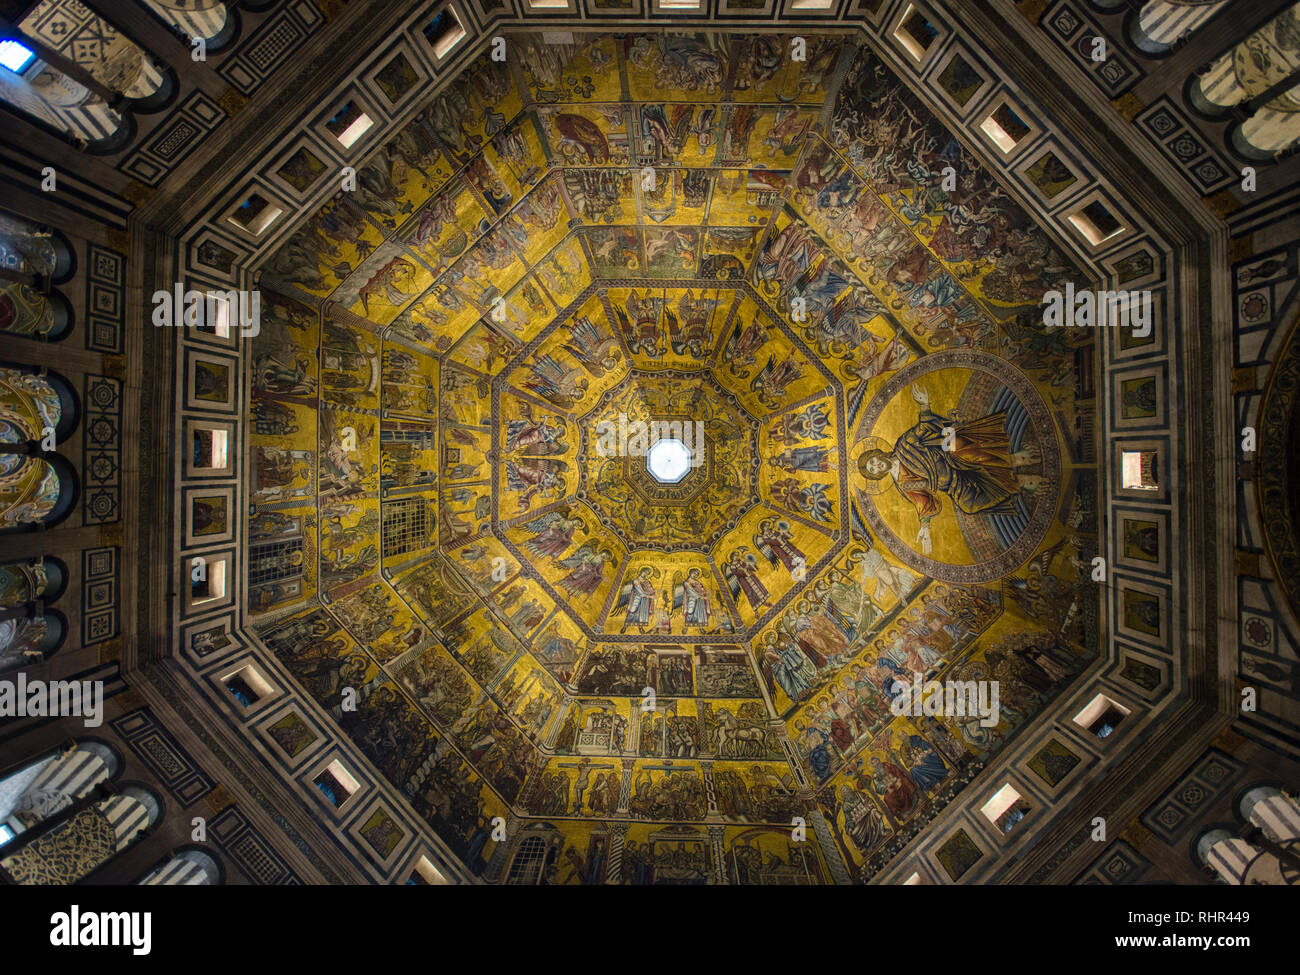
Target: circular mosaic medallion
(956,466)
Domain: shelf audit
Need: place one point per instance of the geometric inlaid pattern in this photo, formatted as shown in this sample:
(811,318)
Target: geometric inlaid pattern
(1120,864)
(1211,776)
(255,856)
(99,592)
(105,284)
(102,450)
(165,756)
(175,139)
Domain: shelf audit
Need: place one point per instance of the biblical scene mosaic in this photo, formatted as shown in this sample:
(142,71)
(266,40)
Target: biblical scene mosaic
(594,246)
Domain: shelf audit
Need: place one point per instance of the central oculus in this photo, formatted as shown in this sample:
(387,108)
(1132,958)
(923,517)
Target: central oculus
(668,460)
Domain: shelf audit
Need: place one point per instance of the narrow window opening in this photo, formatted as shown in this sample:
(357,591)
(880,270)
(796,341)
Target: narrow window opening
(1095,223)
(444,32)
(1102,716)
(210,449)
(1138,470)
(915,33)
(349,124)
(247,685)
(426,873)
(1005,128)
(1005,809)
(14,56)
(255,214)
(211,585)
(216,315)
(335,784)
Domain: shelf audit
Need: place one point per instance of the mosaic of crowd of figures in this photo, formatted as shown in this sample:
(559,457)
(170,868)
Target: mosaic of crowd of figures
(692,228)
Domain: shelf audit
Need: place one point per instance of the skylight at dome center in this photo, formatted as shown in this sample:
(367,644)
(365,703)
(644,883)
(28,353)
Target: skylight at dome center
(668,460)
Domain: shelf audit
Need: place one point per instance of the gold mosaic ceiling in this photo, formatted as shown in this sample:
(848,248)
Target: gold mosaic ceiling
(691,228)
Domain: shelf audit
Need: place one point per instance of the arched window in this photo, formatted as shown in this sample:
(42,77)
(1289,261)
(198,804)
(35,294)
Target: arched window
(32,404)
(31,259)
(1218,850)
(68,68)
(46,94)
(29,490)
(36,487)
(1274,813)
(85,840)
(1260,62)
(185,868)
(526,867)
(194,19)
(1162,23)
(25,582)
(28,312)
(39,790)
(1252,798)
(30,640)
(30,252)
(71,32)
(1273,129)
(1264,850)
(30,632)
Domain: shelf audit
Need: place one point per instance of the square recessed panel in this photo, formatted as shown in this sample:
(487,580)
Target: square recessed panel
(961,78)
(209,515)
(1141,539)
(1143,612)
(1143,672)
(1138,398)
(399,78)
(208,642)
(618,8)
(380,835)
(1052,174)
(291,735)
(211,382)
(1053,763)
(301,169)
(958,855)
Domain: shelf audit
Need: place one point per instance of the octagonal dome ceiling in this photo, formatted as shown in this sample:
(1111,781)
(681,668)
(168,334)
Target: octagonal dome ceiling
(611,241)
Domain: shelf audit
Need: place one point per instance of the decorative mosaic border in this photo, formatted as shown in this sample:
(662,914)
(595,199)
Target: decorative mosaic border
(192,121)
(1165,124)
(1073,30)
(99,594)
(102,451)
(105,299)
(165,756)
(259,57)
